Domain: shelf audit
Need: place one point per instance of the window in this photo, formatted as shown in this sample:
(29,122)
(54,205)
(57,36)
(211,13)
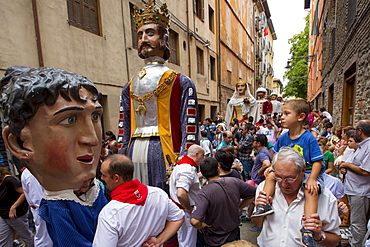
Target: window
(133,28)
(351,12)
(212,61)
(349,92)
(200,67)
(315,25)
(174,41)
(199,9)
(332,42)
(84,14)
(213,112)
(331,98)
(307,4)
(211,14)
(229,76)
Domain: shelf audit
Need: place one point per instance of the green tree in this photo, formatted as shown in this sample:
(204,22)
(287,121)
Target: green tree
(297,74)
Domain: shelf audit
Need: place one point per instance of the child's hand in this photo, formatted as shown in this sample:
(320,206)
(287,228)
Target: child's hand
(267,171)
(312,187)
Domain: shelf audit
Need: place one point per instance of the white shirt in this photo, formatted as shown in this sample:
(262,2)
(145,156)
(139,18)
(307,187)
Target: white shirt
(270,133)
(125,224)
(355,184)
(328,115)
(207,146)
(282,227)
(33,192)
(184,176)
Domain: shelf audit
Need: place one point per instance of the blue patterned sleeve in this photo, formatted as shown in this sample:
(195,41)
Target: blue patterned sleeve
(189,115)
(124,125)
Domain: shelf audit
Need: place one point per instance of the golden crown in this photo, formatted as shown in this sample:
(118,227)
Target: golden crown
(151,14)
(240,81)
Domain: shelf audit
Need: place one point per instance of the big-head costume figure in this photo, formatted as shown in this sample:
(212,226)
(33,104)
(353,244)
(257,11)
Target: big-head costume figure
(277,106)
(263,107)
(158,118)
(52,123)
(240,103)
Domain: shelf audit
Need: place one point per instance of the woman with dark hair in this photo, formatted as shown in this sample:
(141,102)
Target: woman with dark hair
(110,139)
(13,210)
(109,136)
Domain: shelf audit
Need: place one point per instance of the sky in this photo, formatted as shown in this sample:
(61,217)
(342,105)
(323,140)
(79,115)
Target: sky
(288,19)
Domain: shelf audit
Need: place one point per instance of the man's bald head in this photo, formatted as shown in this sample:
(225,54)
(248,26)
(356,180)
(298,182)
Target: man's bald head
(196,152)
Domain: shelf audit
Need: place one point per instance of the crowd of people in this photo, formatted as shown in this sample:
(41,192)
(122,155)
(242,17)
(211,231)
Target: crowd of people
(246,171)
(336,159)
(163,181)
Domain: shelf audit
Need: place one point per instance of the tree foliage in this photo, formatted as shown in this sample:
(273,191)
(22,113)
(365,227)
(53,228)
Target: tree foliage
(297,74)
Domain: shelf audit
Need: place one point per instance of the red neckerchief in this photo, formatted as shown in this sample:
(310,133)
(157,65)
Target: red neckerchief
(132,192)
(187,160)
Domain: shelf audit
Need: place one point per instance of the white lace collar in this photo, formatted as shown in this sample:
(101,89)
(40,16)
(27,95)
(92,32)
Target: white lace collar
(86,199)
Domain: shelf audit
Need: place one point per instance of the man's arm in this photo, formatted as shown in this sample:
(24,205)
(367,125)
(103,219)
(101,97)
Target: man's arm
(198,224)
(355,169)
(183,197)
(19,201)
(265,164)
(169,230)
(325,238)
(244,203)
(274,125)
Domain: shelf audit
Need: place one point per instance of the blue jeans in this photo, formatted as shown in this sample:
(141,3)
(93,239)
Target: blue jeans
(247,168)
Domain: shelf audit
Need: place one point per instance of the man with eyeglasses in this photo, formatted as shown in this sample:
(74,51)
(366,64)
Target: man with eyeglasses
(227,138)
(288,200)
(357,183)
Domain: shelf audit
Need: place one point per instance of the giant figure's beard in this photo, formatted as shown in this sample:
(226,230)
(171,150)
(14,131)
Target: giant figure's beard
(144,49)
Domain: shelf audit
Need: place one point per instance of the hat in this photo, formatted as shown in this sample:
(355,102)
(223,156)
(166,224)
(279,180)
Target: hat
(274,93)
(261,90)
(240,81)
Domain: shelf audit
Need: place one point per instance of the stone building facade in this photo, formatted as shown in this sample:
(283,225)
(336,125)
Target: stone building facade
(212,41)
(341,27)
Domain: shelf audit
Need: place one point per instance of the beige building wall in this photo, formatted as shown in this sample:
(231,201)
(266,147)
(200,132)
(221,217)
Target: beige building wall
(109,59)
(206,40)
(99,57)
(269,61)
(237,46)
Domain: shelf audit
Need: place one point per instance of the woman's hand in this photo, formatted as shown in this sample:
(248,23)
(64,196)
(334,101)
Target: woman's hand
(13,213)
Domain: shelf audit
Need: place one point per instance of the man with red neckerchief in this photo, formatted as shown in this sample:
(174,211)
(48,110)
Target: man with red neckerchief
(184,188)
(137,214)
